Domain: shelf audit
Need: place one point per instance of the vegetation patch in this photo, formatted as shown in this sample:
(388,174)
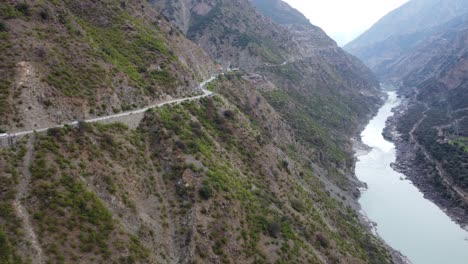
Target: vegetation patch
(452,155)
(133,52)
(78,80)
(70,218)
(231,174)
(11,229)
(306,128)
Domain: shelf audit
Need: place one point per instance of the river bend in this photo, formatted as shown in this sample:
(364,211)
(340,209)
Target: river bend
(406,220)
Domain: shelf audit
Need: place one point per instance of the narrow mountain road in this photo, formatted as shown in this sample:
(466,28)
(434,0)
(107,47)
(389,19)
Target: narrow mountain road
(35,250)
(7,138)
(446,179)
(201,86)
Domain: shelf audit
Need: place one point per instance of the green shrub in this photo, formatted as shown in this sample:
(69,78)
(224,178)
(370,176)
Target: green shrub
(322,241)
(205,192)
(23,8)
(5,251)
(274,229)
(284,164)
(180,145)
(44,14)
(229,114)
(297,205)
(54,132)
(83,126)
(3,27)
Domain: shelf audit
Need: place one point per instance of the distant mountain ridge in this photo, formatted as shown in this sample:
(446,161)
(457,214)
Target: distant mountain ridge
(403,29)
(422,49)
(261,171)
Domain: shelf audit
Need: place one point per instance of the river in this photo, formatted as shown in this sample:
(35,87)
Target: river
(406,220)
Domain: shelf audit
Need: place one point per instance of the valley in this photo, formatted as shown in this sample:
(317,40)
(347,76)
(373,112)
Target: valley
(417,162)
(409,222)
(419,51)
(123,154)
(225,131)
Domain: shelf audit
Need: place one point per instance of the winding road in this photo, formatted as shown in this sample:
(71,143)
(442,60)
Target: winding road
(201,86)
(445,178)
(8,136)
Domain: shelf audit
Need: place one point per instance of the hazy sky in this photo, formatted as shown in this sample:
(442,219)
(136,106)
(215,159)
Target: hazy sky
(344,20)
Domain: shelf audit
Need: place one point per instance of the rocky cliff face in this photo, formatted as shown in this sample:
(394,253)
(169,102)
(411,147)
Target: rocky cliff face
(402,30)
(230,31)
(235,34)
(299,59)
(260,172)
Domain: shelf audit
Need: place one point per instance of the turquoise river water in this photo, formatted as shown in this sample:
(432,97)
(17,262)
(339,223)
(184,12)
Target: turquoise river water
(406,220)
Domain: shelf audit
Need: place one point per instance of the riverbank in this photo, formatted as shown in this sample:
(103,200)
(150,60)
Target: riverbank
(422,174)
(360,149)
(406,220)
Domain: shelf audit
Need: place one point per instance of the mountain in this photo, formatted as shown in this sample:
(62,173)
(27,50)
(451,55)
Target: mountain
(259,171)
(421,48)
(433,57)
(78,65)
(433,77)
(302,65)
(282,13)
(403,29)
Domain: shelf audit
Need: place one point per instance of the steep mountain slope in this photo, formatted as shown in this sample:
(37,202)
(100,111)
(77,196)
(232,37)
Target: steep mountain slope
(235,34)
(303,65)
(282,13)
(205,182)
(61,62)
(261,172)
(403,29)
(435,118)
(433,57)
(428,63)
(230,31)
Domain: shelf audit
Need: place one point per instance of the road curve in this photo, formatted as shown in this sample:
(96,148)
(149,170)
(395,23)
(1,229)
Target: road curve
(201,86)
